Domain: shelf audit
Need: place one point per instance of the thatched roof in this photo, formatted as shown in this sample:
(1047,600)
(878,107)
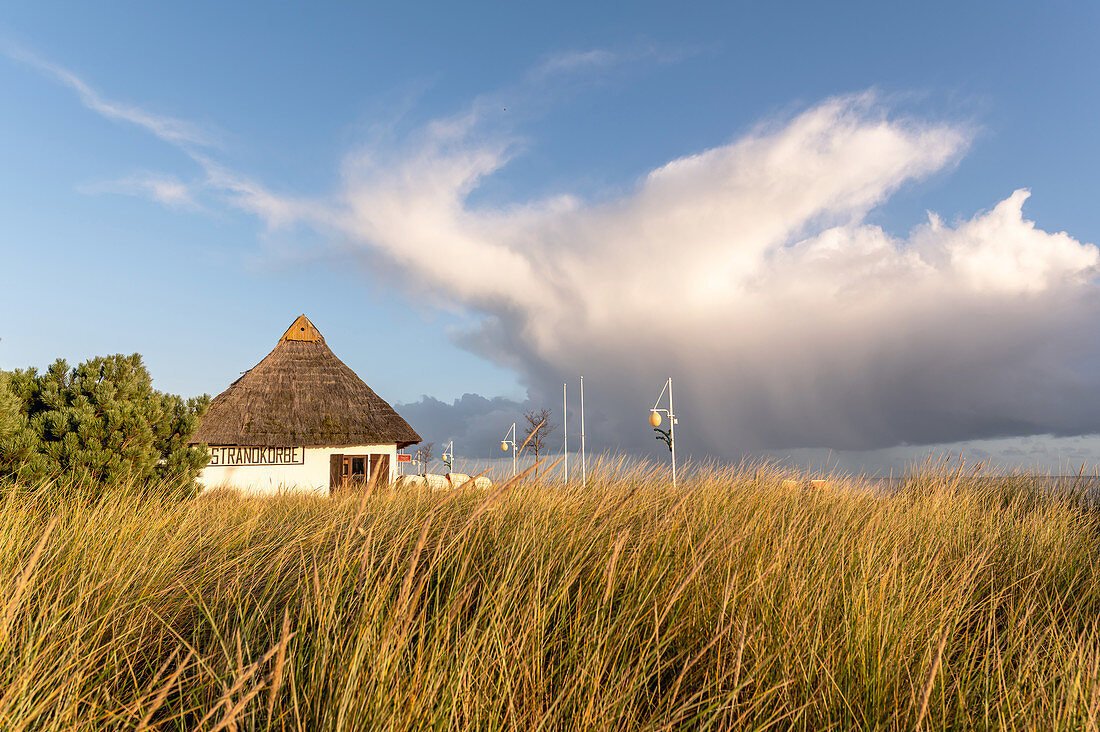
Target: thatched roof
(302,394)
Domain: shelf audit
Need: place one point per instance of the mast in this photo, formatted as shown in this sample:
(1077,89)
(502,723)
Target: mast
(565,426)
(584,459)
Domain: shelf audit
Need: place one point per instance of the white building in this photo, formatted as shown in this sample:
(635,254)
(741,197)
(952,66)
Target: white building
(301,420)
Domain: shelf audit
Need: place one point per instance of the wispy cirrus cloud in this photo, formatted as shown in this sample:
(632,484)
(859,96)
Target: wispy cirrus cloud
(572,61)
(579,62)
(169,129)
(276,210)
(160,187)
(235,189)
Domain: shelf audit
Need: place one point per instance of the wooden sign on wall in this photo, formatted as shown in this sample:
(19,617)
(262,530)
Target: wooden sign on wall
(233,456)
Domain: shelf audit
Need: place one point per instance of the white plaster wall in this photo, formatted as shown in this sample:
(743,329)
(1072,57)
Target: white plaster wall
(310,477)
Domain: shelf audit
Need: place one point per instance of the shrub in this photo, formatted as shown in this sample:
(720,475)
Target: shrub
(101,425)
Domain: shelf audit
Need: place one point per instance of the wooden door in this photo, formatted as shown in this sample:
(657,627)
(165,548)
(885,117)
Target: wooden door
(335,473)
(380,467)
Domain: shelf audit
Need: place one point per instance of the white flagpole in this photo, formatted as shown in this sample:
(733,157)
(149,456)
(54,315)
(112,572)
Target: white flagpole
(565,426)
(584,459)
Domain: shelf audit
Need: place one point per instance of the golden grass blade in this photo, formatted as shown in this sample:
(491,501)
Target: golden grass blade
(410,572)
(242,678)
(926,694)
(691,575)
(280,660)
(229,721)
(162,693)
(612,563)
(12,606)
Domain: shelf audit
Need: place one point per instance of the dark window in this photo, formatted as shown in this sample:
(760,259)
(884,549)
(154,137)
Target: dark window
(359,466)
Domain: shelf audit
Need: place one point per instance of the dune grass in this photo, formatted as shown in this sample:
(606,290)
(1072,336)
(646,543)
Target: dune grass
(737,600)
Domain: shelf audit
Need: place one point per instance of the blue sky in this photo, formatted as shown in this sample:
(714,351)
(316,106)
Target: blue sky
(175,180)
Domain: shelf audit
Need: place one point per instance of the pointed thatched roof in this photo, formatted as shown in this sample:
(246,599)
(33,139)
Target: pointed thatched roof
(302,394)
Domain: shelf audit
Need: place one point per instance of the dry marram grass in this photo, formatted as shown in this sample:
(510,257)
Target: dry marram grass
(738,600)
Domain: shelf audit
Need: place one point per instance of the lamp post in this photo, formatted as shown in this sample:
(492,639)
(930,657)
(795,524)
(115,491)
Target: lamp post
(506,443)
(449,456)
(655,420)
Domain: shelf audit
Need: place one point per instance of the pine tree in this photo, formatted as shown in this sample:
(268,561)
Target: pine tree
(100,423)
(11,414)
(17,442)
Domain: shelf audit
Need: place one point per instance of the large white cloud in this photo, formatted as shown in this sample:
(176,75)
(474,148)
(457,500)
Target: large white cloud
(750,274)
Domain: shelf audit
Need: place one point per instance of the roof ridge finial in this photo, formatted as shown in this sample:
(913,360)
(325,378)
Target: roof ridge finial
(302,330)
